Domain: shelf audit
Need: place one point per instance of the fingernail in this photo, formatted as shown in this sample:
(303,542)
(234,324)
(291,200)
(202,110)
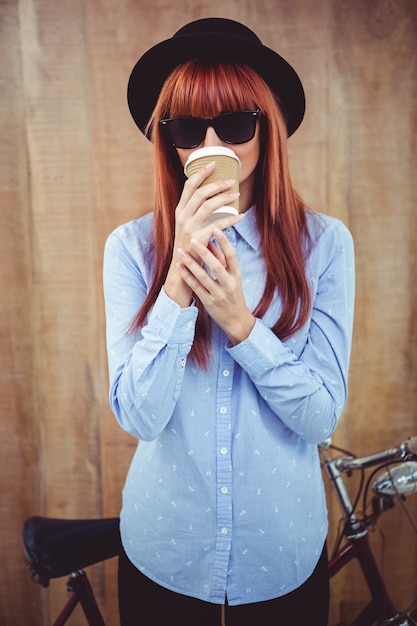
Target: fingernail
(181,253)
(235,195)
(195,243)
(210,165)
(230,181)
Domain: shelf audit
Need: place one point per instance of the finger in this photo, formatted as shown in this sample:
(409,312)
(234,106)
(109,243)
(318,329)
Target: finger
(212,261)
(196,180)
(215,250)
(212,264)
(228,251)
(193,183)
(208,198)
(189,261)
(197,278)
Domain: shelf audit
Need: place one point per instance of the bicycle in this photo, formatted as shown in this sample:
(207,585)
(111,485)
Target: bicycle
(394,478)
(55,548)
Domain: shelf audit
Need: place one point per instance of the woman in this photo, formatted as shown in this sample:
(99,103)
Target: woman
(228,346)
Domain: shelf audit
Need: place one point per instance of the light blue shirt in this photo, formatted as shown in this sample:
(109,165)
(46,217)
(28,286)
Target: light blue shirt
(224,495)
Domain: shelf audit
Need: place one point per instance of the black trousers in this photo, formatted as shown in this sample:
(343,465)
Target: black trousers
(141,601)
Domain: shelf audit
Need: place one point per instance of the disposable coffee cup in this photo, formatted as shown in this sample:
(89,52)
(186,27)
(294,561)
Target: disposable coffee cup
(227,168)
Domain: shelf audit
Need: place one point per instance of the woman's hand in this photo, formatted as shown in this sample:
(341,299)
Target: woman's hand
(195,205)
(219,287)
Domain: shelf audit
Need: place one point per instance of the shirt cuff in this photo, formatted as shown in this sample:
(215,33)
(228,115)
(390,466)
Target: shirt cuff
(261,351)
(172,323)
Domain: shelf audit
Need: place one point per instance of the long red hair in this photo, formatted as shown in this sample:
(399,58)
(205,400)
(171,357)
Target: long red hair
(206,89)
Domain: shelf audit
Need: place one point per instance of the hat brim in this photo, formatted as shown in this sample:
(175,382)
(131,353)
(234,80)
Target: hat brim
(154,67)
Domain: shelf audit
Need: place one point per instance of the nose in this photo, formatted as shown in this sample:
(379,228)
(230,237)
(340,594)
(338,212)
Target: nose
(211,138)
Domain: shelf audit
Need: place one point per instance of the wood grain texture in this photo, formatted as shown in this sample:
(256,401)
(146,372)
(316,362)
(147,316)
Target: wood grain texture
(73,166)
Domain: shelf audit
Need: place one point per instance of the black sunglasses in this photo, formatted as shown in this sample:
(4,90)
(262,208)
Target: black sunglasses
(189,132)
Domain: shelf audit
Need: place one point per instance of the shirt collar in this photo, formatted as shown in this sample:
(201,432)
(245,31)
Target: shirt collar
(248,228)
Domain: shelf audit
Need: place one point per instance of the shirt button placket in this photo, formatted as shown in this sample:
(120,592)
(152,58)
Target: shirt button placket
(224,461)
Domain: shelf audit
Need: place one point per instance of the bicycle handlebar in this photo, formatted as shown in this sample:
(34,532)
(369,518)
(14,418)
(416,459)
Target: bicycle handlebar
(406,450)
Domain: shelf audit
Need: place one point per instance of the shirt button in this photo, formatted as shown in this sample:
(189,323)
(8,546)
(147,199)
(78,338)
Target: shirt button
(224,490)
(223,410)
(226,372)
(183,361)
(223,450)
(190,324)
(224,531)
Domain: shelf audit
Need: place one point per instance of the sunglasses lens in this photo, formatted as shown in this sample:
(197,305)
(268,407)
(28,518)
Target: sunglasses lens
(236,127)
(186,132)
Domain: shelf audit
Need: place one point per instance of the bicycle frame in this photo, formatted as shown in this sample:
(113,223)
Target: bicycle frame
(381,609)
(81,593)
(381,605)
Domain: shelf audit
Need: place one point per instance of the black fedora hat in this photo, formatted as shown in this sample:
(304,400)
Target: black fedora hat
(213,38)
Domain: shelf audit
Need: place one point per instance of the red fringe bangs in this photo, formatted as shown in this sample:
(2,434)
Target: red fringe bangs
(206,89)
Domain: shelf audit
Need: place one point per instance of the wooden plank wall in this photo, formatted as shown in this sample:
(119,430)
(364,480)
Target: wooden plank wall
(73,167)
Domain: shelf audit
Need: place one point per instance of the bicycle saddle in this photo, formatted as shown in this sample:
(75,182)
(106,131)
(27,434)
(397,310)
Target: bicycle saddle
(58,547)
